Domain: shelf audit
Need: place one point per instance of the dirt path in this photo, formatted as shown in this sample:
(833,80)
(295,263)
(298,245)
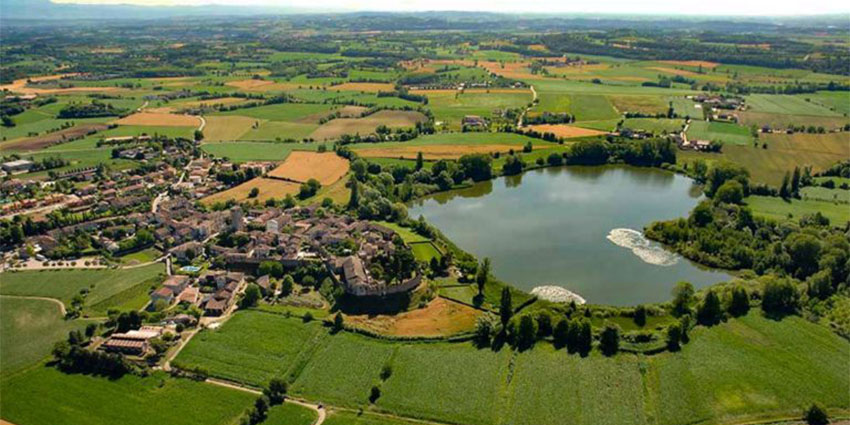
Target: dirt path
(53,300)
(203,123)
(320,411)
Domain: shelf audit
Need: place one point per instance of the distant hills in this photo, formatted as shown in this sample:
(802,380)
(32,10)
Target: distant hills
(45,9)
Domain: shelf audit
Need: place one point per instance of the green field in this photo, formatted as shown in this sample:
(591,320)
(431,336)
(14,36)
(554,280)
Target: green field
(290,414)
(365,418)
(406,233)
(657,126)
(749,368)
(64,284)
(824,194)
(279,130)
(46,396)
(462,139)
(722,132)
(28,330)
(282,111)
(451,107)
(779,209)
(786,104)
(449,382)
(255,151)
(425,251)
(549,386)
(343,370)
(246,349)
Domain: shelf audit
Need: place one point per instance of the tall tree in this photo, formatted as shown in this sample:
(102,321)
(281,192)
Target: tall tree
(784,190)
(683,294)
(609,340)
(709,311)
(506,308)
(481,275)
(795,182)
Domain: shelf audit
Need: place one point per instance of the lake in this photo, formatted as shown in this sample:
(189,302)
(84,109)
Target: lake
(574,227)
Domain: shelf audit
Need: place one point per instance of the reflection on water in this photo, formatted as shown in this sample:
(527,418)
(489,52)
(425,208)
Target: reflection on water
(551,227)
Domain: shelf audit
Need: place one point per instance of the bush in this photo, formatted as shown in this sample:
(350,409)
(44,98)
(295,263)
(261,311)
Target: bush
(779,297)
(815,415)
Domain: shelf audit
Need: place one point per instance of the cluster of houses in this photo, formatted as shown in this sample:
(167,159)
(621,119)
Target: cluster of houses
(214,292)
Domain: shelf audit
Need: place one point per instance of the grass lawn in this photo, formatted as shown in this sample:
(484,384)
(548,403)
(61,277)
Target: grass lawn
(28,330)
(749,368)
(450,107)
(343,370)
(290,414)
(591,107)
(425,251)
(143,256)
(407,234)
(131,400)
(449,382)
(779,209)
(279,130)
(252,347)
(64,284)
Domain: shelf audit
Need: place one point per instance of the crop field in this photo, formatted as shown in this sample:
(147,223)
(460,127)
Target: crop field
(226,128)
(262,85)
(252,347)
(76,399)
(782,121)
(164,120)
(433,152)
(279,130)
(748,368)
(550,385)
(28,330)
(366,125)
(301,166)
(255,151)
(450,106)
(364,418)
(643,104)
(565,131)
(343,369)
(717,131)
(305,113)
(836,101)
(268,188)
(366,87)
(50,139)
(290,414)
(787,104)
(783,153)
(685,107)
(44,127)
(779,209)
(656,126)
(64,284)
(418,387)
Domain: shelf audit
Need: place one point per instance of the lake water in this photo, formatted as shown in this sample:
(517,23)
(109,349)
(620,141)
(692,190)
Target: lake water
(574,227)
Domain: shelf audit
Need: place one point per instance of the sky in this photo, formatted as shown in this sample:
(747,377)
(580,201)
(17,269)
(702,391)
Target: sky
(714,7)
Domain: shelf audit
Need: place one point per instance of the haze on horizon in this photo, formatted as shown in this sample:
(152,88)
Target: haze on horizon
(645,7)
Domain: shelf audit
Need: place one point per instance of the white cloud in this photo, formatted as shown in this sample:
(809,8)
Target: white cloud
(716,7)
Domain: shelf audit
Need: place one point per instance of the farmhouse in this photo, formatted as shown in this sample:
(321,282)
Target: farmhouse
(473,121)
(18,166)
(134,342)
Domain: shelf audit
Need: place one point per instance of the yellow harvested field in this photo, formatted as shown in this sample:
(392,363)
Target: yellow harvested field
(165,120)
(20,86)
(705,64)
(432,151)
(393,119)
(261,85)
(564,131)
(300,166)
(440,317)
(227,127)
(269,188)
(352,111)
(367,87)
